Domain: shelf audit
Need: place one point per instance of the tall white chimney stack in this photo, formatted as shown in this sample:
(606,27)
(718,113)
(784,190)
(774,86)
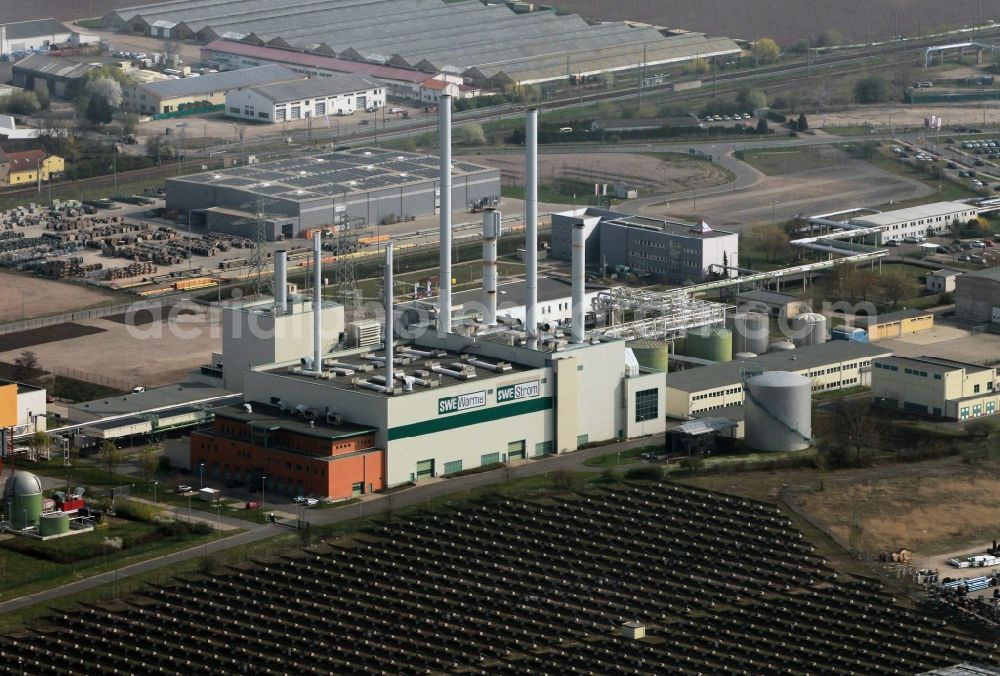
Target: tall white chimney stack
(444,286)
(578,268)
(531,228)
(491,231)
(280,282)
(317,302)
(389,375)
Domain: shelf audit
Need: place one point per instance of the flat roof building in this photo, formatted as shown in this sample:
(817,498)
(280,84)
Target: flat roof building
(773,303)
(942,388)
(832,365)
(941,281)
(342,94)
(895,324)
(977,296)
(924,220)
(359,188)
(39,34)
(674,251)
(168,96)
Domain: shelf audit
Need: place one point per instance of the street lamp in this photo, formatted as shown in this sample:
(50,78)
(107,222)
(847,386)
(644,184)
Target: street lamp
(201,475)
(181,126)
(262,495)
(155,484)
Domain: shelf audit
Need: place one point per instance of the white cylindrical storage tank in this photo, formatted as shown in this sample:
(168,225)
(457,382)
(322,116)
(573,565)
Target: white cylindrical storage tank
(778,410)
(751,331)
(808,328)
(781,346)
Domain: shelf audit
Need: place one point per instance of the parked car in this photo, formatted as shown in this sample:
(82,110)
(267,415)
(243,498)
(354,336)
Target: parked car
(253,504)
(891,242)
(312,502)
(952,165)
(299,499)
(184,488)
(965,258)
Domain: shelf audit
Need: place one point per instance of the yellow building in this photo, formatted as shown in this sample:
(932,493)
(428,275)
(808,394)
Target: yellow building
(25,166)
(895,324)
(8,405)
(932,386)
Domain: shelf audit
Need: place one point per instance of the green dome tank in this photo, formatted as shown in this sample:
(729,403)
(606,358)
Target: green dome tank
(55,523)
(653,354)
(22,500)
(709,342)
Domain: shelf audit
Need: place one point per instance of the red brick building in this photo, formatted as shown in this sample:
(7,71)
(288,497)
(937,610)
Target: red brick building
(295,456)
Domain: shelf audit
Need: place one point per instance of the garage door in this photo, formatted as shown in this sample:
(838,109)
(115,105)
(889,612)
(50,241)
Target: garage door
(425,468)
(515,450)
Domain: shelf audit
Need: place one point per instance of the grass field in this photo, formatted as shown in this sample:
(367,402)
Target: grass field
(931,511)
(782,161)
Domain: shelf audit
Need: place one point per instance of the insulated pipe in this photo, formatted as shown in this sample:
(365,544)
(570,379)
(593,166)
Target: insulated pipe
(317,302)
(531,228)
(444,290)
(578,267)
(280,282)
(388,315)
(491,230)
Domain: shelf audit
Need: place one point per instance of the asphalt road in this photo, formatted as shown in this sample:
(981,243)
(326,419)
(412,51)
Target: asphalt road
(373,505)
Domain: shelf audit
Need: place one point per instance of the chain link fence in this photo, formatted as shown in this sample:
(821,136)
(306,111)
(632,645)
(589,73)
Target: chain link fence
(96,378)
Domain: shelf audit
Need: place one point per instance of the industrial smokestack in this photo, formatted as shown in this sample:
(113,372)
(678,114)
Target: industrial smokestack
(491,231)
(444,286)
(531,228)
(280,282)
(388,318)
(318,302)
(579,265)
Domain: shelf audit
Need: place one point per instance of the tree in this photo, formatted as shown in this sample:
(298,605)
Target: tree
(26,366)
(19,103)
(106,88)
(829,38)
(751,98)
(111,457)
(855,425)
(698,66)
(98,110)
(148,461)
(981,427)
(473,134)
(42,93)
(896,285)
(772,240)
(872,89)
(858,283)
(130,124)
(41,442)
(158,148)
(762,127)
(766,50)
(802,123)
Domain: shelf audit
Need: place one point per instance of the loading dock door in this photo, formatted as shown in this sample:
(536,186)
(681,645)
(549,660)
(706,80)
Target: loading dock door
(425,469)
(515,450)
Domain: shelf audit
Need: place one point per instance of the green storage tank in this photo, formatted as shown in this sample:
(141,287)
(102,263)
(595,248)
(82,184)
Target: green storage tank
(653,354)
(22,500)
(709,342)
(55,523)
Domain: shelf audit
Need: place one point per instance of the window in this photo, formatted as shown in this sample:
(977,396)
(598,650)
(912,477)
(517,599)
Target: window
(543,448)
(489,459)
(975,388)
(646,405)
(234,109)
(453,467)
(582,439)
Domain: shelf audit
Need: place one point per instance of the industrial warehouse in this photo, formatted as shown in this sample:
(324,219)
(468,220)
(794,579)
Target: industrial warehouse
(523,48)
(357,188)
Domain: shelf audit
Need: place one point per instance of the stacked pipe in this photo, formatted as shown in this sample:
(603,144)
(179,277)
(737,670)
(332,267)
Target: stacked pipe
(444,293)
(531,229)
(318,303)
(491,231)
(389,357)
(578,268)
(280,282)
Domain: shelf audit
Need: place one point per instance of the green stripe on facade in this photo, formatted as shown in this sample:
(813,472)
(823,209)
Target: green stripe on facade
(471,418)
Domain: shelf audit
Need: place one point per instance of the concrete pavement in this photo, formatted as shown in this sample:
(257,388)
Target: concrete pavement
(370,506)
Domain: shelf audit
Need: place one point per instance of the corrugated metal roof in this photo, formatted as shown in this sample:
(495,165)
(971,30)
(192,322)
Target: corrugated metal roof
(315,61)
(59,67)
(281,92)
(215,82)
(34,29)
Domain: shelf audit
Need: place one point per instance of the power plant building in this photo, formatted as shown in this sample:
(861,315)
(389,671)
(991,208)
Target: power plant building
(937,387)
(675,252)
(830,366)
(357,188)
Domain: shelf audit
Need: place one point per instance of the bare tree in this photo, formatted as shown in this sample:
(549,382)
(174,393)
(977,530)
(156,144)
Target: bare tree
(855,424)
(773,240)
(111,457)
(26,366)
(147,460)
(896,285)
